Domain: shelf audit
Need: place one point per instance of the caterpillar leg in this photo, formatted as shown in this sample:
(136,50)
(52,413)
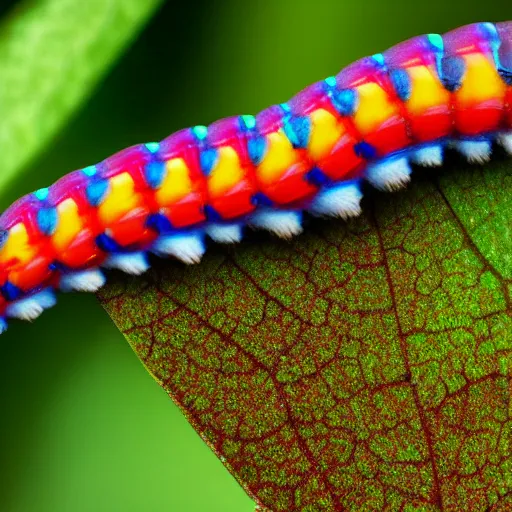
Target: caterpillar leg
(29,308)
(225,233)
(134,263)
(284,224)
(389,174)
(188,248)
(339,201)
(90,280)
(475,151)
(429,156)
(505,140)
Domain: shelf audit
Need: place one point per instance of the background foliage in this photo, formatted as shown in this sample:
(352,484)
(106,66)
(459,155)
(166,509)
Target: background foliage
(83,426)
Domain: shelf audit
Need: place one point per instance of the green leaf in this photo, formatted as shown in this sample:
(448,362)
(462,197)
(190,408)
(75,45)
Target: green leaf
(52,54)
(363,366)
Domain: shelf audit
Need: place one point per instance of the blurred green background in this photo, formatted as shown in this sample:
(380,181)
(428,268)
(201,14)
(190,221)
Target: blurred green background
(83,426)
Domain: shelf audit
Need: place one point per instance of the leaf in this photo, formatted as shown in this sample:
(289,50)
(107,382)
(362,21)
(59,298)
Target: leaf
(52,54)
(363,366)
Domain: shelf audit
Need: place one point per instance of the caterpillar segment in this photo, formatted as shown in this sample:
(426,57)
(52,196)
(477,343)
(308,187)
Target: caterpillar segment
(370,122)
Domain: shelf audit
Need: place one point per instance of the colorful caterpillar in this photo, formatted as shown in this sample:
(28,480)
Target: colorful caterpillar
(309,154)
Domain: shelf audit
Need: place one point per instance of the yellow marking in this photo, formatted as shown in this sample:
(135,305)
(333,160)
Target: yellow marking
(176,184)
(481,81)
(427,91)
(120,199)
(326,130)
(279,157)
(226,173)
(374,108)
(69,224)
(17,246)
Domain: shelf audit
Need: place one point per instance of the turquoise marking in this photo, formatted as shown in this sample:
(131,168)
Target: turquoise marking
(436,41)
(343,100)
(152,147)
(330,81)
(379,59)
(285,107)
(200,132)
(207,157)
(438,44)
(89,171)
(249,122)
(42,193)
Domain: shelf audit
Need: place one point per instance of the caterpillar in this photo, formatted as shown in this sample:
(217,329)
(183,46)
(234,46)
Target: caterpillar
(310,154)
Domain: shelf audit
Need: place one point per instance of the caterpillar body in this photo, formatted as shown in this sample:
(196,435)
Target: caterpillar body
(311,153)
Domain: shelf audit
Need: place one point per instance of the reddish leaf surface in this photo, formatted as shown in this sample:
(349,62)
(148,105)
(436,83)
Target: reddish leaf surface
(363,366)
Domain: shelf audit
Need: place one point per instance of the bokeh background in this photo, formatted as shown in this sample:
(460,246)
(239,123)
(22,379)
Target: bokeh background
(83,427)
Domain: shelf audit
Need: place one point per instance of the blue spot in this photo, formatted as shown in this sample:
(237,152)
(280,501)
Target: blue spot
(58,265)
(256,148)
(344,101)
(452,72)
(365,150)
(152,147)
(506,75)
(107,243)
(330,81)
(207,160)
(155,173)
(90,171)
(285,107)
(200,132)
(159,223)
(379,59)
(247,123)
(3,237)
(211,213)
(10,291)
(402,83)
(47,220)
(260,199)
(491,33)
(42,193)
(316,177)
(436,41)
(96,191)
(298,129)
